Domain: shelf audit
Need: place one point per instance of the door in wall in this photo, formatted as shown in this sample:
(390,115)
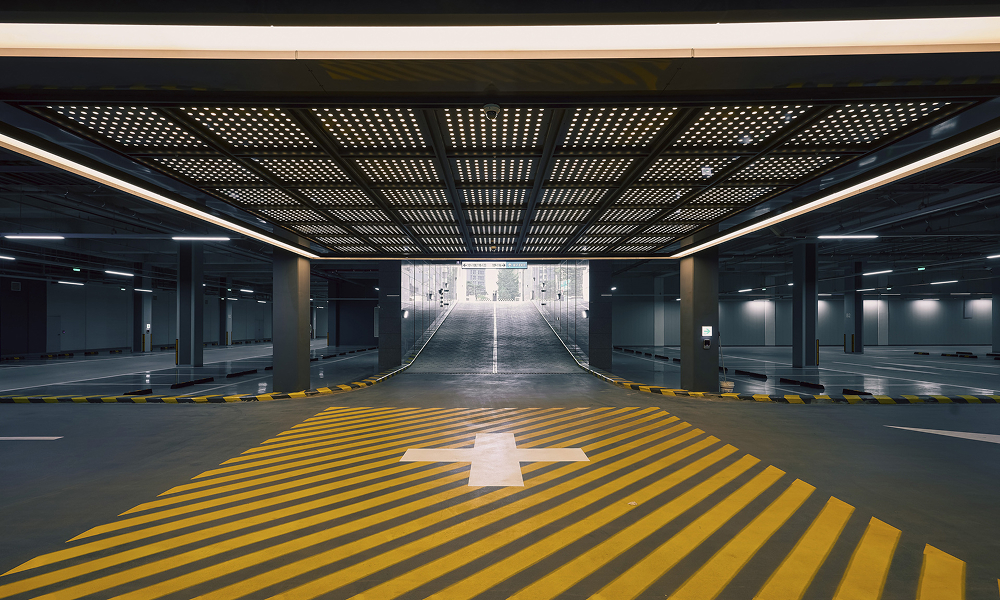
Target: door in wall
(53,333)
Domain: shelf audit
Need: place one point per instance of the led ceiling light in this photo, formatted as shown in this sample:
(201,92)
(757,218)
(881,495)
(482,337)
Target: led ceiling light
(69,282)
(247,291)
(2,257)
(199,239)
(943,282)
(34,152)
(34,237)
(994,256)
(804,38)
(948,154)
(142,290)
(120,273)
(878,272)
(846,237)
(746,290)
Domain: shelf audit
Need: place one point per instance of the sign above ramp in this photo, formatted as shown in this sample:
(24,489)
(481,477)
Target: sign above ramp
(494,264)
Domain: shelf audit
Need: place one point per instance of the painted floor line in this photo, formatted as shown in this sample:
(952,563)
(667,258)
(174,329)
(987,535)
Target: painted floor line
(967,435)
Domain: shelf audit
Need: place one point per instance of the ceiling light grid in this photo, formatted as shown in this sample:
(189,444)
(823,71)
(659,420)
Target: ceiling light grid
(566,170)
(615,127)
(428,216)
(340,240)
(551,229)
(399,170)
(379,230)
(319,229)
(444,241)
(572,196)
(629,214)
(647,196)
(359,215)
(447,249)
(372,128)
(698,214)
(570,215)
(856,125)
(599,240)
(588,248)
(671,228)
(292,215)
(436,230)
(492,170)
(658,240)
(494,215)
(304,170)
(416,197)
(258,196)
(494,229)
(731,195)
(392,241)
(636,249)
(610,229)
(208,170)
(494,197)
(541,249)
(252,127)
(355,249)
(782,168)
(337,196)
(514,128)
(686,169)
(130,126)
(547,239)
(738,126)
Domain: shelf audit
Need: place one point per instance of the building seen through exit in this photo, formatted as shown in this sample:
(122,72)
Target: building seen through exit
(506,301)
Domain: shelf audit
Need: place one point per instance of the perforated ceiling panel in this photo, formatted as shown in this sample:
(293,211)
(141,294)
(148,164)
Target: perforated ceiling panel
(513,128)
(729,126)
(130,126)
(864,124)
(337,196)
(730,195)
(572,196)
(251,127)
(209,170)
(615,126)
(494,197)
(773,168)
(371,127)
(416,197)
(589,169)
(655,195)
(493,170)
(259,196)
(399,170)
(687,169)
(304,170)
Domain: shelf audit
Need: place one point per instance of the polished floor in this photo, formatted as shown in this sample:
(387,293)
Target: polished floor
(888,370)
(680,498)
(118,374)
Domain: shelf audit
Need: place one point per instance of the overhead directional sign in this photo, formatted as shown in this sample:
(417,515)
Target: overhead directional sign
(494,264)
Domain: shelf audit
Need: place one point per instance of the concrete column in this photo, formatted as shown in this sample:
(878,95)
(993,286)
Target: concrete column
(390,327)
(854,312)
(190,304)
(333,317)
(138,325)
(225,312)
(658,308)
(805,351)
(600,314)
(996,314)
(290,322)
(700,310)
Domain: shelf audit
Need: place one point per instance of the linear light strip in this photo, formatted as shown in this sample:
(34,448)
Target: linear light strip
(76,168)
(949,154)
(803,38)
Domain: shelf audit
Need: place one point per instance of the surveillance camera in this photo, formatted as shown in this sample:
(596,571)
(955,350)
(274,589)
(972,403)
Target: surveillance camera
(492,111)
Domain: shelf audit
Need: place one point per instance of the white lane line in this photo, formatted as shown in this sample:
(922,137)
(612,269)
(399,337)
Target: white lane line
(37,438)
(979,437)
(494,338)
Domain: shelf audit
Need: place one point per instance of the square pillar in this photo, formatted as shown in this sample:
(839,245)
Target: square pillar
(333,317)
(390,327)
(700,310)
(190,304)
(854,312)
(290,322)
(225,313)
(805,345)
(599,321)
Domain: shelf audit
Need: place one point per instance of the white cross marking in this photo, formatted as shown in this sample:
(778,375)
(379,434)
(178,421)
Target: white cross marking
(496,459)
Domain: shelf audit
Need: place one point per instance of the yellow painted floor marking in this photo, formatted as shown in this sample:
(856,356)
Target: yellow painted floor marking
(643,574)
(794,399)
(502,510)
(792,578)
(709,581)
(334,428)
(885,399)
(324,461)
(199,553)
(869,566)
(510,566)
(942,576)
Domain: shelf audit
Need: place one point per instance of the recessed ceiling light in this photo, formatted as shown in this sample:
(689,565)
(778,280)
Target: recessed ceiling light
(942,282)
(123,274)
(199,239)
(994,256)
(847,237)
(921,268)
(34,237)
(791,283)
(142,290)
(69,283)
(2,257)
(746,290)
(866,290)
(878,272)
(247,291)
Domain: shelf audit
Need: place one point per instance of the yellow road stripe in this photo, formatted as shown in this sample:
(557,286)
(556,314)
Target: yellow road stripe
(942,576)
(517,562)
(869,566)
(366,425)
(320,586)
(709,581)
(790,580)
(203,534)
(306,541)
(644,573)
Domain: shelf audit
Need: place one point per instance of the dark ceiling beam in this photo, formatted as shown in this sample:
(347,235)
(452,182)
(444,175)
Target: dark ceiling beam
(314,129)
(804,122)
(555,130)
(427,120)
(677,126)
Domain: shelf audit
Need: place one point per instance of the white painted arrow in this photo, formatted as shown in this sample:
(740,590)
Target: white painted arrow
(980,437)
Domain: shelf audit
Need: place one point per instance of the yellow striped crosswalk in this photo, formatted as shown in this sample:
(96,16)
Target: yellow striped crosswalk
(327,509)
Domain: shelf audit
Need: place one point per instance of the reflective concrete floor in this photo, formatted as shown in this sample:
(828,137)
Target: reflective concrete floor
(889,370)
(115,375)
(681,498)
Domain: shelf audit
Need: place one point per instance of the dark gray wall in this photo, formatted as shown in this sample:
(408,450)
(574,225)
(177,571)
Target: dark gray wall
(22,316)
